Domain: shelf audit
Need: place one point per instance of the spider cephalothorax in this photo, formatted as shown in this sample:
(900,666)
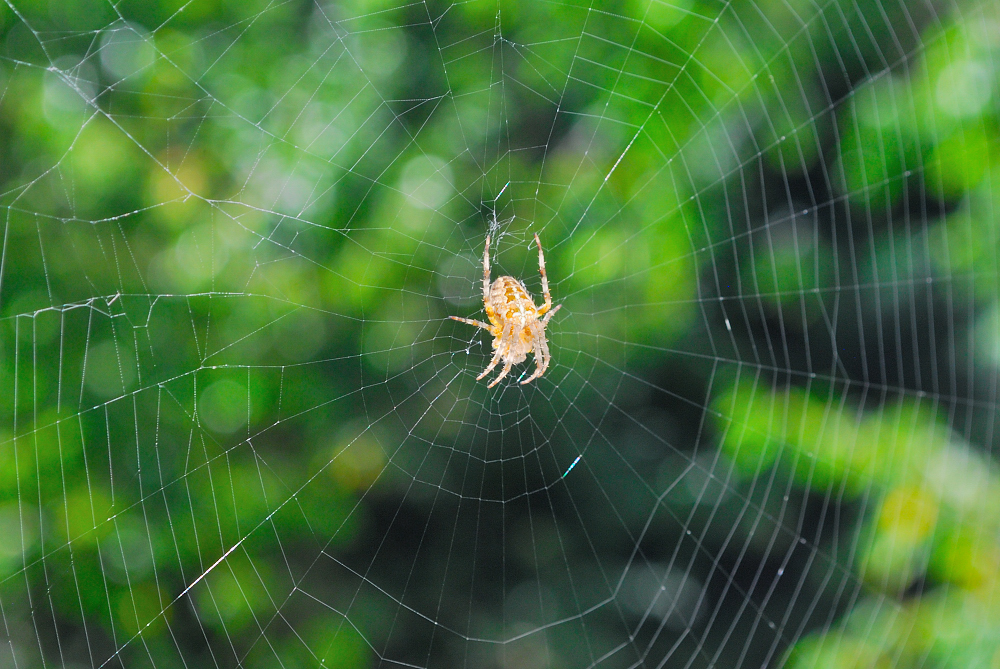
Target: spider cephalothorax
(517,325)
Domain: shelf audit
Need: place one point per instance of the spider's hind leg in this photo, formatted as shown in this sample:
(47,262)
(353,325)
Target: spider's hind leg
(545,280)
(545,319)
(486,271)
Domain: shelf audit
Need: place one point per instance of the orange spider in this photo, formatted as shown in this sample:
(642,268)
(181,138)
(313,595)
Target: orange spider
(517,325)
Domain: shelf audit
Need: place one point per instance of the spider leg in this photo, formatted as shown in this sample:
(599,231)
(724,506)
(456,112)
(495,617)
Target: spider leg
(489,367)
(545,320)
(538,367)
(546,356)
(496,357)
(471,321)
(545,279)
(503,373)
(486,271)
(487,303)
(541,351)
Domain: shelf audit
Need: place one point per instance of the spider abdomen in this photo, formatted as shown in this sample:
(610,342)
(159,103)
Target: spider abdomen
(511,300)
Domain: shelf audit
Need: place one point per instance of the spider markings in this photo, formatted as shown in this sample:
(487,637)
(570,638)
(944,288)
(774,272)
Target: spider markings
(517,325)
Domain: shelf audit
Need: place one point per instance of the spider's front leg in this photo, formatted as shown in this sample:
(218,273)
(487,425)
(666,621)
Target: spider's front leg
(541,351)
(538,369)
(503,373)
(496,356)
(502,351)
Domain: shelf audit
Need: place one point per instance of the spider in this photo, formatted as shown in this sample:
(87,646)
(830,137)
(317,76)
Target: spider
(517,325)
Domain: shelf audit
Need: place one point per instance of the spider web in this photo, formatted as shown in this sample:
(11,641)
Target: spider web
(239,428)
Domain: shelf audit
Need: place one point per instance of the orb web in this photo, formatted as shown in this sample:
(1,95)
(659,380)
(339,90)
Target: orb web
(240,430)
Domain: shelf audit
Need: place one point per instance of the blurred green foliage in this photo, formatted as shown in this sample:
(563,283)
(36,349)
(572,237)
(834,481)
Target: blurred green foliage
(239,430)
